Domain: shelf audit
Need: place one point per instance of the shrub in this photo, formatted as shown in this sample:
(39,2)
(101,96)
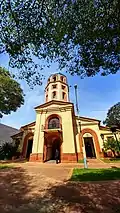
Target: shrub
(8,150)
(113,145)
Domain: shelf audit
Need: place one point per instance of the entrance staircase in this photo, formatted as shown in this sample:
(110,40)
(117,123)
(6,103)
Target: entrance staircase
(50,161)
(96,163)
(93,160)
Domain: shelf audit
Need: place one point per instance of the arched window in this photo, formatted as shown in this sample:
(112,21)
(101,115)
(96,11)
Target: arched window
(54,78)
(61,78)
(63,87)
(64,96)
(53,123)
(46,98)
(54,96)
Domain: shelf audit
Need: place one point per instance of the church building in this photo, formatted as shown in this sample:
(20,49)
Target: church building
(57,127)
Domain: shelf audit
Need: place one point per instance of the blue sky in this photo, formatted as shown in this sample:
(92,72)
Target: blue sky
(95,95)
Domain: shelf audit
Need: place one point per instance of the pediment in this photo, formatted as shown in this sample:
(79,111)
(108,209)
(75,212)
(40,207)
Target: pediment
(53,104)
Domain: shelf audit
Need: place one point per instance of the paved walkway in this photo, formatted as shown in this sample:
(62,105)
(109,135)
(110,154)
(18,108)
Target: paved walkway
(97,163)
(57,172)
(94,163)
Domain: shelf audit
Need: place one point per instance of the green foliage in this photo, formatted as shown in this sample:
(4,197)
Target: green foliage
(95,174)
(80,161)
(6,166)
(11,95)
(111,160)
(82,36)
(112,144)
(113,116)
(8,150)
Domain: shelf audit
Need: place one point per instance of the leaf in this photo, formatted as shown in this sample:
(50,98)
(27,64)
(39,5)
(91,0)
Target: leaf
(11,95)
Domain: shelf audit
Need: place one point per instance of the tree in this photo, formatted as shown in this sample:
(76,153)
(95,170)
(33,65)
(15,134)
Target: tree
(82,36)
(113,145)
(113,116)
(8,150)
(11,95)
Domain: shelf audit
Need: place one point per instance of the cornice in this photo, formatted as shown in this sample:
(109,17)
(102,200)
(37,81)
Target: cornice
(55,109)
(55,82)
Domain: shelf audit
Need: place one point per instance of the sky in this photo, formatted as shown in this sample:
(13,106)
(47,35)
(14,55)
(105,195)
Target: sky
(95,96)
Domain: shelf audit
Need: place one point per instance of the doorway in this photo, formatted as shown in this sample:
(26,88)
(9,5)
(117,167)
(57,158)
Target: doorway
(55,146)
(29,148)
(51,150)
(89,147)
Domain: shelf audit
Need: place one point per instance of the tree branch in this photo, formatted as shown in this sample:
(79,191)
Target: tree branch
(15,19)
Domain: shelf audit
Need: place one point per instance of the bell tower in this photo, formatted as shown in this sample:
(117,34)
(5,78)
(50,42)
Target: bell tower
(57,88)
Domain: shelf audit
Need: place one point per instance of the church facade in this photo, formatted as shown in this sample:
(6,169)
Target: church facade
(57,127)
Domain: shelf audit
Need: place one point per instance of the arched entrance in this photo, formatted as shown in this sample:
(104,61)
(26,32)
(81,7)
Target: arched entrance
(29,148)
(89,147)
(91,143)
(52,137)
(27,145)
(55,146)
(52,143)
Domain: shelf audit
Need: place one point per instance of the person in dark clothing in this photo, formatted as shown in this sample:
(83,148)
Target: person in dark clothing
(57,156)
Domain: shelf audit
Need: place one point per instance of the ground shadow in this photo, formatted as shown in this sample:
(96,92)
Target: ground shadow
(94,197)
(14,186)
(21,192)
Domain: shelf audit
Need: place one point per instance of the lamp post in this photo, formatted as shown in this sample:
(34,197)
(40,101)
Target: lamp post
(76,98)
(79,123)
(83,149)
(84,157)
(102,136)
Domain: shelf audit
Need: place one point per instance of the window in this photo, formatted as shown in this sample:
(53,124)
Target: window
(53,123)
(54,94)
(61,78)
(47,89)
(54,86)
(48,80)
(54,78)
(63,95)
(63,87)
(46,98)
(65,80)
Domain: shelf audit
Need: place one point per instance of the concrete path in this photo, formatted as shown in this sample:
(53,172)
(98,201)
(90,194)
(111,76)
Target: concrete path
(92,163)
(57,172)
(97,163)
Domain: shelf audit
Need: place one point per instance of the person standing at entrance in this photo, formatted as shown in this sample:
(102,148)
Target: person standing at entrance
(57,155)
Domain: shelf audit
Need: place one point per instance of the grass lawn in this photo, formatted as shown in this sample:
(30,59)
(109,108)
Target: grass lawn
(111,160)
(95,174)
(80,161)
(5,166)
